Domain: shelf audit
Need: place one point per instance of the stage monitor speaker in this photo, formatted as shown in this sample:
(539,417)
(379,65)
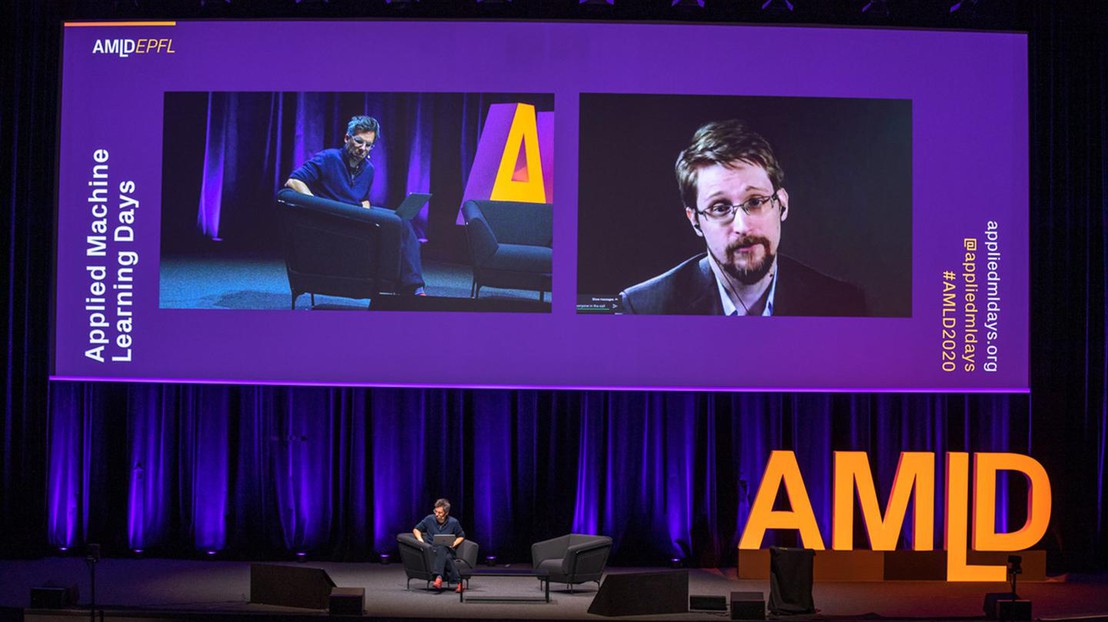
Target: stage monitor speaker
(701,602)
(53,597)
(991,600)
(748,606)
(347,601)
(1013,610)
(1006,606)
(642,593)
(290,586)
(790,581)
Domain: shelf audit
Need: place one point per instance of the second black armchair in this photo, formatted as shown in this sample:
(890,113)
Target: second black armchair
(510,244)
(572,559)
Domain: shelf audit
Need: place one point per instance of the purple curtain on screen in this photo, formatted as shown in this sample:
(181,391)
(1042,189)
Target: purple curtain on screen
(217,151)
(337,473)
(253,142)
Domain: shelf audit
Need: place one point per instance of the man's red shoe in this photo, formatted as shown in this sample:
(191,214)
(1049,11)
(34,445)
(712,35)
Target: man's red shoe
(459,589)
(437,583)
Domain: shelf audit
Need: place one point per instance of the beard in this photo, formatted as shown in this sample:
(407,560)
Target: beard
(353,159)
(754,271)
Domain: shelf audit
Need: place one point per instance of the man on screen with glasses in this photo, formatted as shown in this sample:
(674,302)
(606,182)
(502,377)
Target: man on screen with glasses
(730,183)
(345,174)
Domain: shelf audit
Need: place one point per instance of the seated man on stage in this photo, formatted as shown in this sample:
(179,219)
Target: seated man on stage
(438,523)
(345,174)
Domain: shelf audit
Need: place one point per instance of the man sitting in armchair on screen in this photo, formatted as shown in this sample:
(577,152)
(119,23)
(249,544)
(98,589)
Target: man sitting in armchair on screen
(345,174)
(440,523)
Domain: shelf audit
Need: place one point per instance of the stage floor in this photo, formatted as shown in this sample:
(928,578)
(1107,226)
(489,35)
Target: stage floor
(163,589)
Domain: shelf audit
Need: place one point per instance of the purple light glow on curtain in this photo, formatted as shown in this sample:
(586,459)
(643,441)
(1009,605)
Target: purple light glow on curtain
(65,458)
(211,188)
(679,427)
(301,465)
(205,460)
(398,464)
(591,459)
(493,467)
(151,435)
(419,160)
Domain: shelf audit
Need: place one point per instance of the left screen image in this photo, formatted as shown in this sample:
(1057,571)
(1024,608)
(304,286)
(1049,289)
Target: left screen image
(357,201)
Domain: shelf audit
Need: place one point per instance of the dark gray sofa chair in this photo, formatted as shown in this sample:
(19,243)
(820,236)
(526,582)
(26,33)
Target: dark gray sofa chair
(572,559)
(510,244)
(418,557)
(338,249)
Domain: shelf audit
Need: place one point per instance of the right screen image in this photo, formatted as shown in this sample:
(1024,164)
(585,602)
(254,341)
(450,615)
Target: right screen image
(737,205)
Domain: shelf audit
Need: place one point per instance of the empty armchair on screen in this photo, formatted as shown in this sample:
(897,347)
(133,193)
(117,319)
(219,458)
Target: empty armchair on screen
(510,244)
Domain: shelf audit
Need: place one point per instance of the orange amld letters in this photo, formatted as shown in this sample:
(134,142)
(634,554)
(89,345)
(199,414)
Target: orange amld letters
(914,473)
(985,537)
(782,469)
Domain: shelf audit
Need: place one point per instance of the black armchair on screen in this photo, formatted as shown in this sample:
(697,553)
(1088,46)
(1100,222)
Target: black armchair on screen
(338,249)
(419,557)
(510,244)
(572,559)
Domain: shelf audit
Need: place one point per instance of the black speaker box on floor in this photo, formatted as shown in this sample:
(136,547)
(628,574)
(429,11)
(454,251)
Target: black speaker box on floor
(992,598)
(700,602)
(290,586)
(748,606)
(1013,610)
(53,597)
(642,593)
(347,601)
(790,580)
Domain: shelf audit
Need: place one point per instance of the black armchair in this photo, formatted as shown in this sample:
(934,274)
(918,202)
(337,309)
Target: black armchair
(418,557)
(572,559)
(510,244)
(338,249)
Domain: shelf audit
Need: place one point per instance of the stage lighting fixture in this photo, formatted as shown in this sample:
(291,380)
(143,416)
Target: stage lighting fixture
(688,3)
(676,562)
(63,549)
(490,560)
(385,559)
(301,556)
(778,5)
(876,7)
(212,553)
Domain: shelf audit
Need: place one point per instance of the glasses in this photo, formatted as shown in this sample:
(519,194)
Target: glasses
(361,142)
(723,213)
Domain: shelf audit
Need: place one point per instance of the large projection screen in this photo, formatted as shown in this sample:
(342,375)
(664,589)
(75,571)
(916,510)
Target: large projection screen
(899,222)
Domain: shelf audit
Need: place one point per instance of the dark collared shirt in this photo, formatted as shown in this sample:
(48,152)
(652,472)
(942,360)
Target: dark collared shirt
(328,176)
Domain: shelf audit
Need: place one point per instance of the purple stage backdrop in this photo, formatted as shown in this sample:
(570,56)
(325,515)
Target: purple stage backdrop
(967,329)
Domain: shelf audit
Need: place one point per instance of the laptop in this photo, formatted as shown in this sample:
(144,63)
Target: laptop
(444,539)
(411,205)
